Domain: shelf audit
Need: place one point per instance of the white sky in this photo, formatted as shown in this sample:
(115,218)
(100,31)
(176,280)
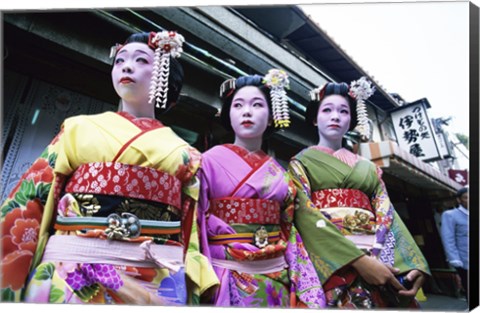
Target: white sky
(415,49)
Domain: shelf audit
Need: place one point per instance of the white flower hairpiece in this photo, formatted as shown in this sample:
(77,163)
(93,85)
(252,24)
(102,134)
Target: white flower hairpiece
(361,90)
(166,44)
(277,80)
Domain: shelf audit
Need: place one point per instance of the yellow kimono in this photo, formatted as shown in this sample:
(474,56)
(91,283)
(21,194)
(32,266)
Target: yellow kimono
(107,214)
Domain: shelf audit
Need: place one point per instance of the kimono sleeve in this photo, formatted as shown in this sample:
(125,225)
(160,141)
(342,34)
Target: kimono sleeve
(406,253)
(197,266)
(328,249)
(26,211)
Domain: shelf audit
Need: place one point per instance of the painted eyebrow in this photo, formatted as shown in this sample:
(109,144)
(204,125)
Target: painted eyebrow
(136,51)
(330,104)
(256,98)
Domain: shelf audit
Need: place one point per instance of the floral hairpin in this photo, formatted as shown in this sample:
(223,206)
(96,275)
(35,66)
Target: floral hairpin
(165,44)
(277,81)
(361,90)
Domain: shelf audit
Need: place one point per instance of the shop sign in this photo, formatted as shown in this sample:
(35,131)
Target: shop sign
(460,176)
(414,131)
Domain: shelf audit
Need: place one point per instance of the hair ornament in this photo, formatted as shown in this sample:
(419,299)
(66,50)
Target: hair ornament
(165,44)
(114,50)
(317,93)
(277,81)
(227,86)
(361,90)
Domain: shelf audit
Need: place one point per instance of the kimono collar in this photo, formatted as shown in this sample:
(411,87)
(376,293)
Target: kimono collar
(143,123)
(251,157)
(342,154)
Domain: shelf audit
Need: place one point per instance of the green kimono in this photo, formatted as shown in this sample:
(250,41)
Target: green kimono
(343,212)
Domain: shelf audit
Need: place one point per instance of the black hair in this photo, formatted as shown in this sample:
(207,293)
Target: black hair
(461,191)
(332,88)
(227,97)
(176,75)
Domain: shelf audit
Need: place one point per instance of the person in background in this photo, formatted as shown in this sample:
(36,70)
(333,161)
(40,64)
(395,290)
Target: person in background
(361,250)
(107,214)
(246,205)
(454,233)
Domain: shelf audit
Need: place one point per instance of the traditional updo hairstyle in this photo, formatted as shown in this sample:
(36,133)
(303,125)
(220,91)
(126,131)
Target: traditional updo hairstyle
(175,78)
(331,88)
(230,90)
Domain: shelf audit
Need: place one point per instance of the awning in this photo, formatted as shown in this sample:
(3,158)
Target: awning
(400,163)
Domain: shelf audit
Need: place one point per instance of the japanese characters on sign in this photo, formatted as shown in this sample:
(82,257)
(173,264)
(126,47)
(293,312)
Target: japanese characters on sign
(414,132)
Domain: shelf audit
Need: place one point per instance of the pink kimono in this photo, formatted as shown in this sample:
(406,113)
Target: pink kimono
(245,219)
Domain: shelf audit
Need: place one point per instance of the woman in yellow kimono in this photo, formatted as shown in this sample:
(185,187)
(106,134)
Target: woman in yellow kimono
(359,246)
(107,214)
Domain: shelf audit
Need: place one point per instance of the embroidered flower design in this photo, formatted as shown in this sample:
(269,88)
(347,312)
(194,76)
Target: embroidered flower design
(19,240)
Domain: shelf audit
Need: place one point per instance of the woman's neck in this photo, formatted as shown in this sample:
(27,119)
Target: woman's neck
(138,109)
(251,144)
(331,144)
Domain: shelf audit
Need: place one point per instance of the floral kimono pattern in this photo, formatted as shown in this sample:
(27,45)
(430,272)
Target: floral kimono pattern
(115,181)
(245,215)
(343,212)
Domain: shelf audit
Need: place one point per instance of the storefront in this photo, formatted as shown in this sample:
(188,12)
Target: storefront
(56,64)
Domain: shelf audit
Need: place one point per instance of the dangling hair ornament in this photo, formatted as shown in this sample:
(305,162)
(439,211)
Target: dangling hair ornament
(361,90)
(165,44)
(277,81)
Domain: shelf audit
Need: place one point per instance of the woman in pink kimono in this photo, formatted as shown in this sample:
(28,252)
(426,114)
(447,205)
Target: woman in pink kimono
(246,206)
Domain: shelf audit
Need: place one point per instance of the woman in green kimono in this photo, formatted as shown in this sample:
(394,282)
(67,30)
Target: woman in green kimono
(361,250)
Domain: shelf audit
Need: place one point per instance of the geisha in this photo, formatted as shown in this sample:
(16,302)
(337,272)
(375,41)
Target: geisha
(359,246)
(107,213)
(246,205)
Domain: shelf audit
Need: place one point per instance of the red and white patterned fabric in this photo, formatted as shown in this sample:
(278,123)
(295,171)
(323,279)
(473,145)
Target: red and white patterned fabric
(131,181)
(343,198)
(246,210)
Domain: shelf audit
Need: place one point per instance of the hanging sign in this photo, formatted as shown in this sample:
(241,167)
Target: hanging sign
(414,131)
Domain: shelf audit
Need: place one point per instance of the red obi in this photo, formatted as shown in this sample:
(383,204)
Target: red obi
(246,210)
(125,180)
(343,198)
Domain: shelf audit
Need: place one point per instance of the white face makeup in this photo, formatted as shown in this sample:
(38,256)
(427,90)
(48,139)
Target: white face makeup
(333,119)
(249,113)
(132,72)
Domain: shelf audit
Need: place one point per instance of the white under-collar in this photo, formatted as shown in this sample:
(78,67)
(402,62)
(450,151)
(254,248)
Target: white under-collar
(462,209)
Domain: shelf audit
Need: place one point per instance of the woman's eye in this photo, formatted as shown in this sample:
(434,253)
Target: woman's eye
(326,110)
(258,104)
(119,60)
(345,112)
(237,105)
(142,60)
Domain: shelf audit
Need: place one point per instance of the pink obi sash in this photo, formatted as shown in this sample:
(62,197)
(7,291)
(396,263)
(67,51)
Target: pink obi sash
(253,267)
(234,210)
(93,250)
(343,198)
(125,180)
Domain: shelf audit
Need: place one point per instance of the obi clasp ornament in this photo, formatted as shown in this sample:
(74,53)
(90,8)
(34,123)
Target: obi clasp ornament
(123,227)
(260,237)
